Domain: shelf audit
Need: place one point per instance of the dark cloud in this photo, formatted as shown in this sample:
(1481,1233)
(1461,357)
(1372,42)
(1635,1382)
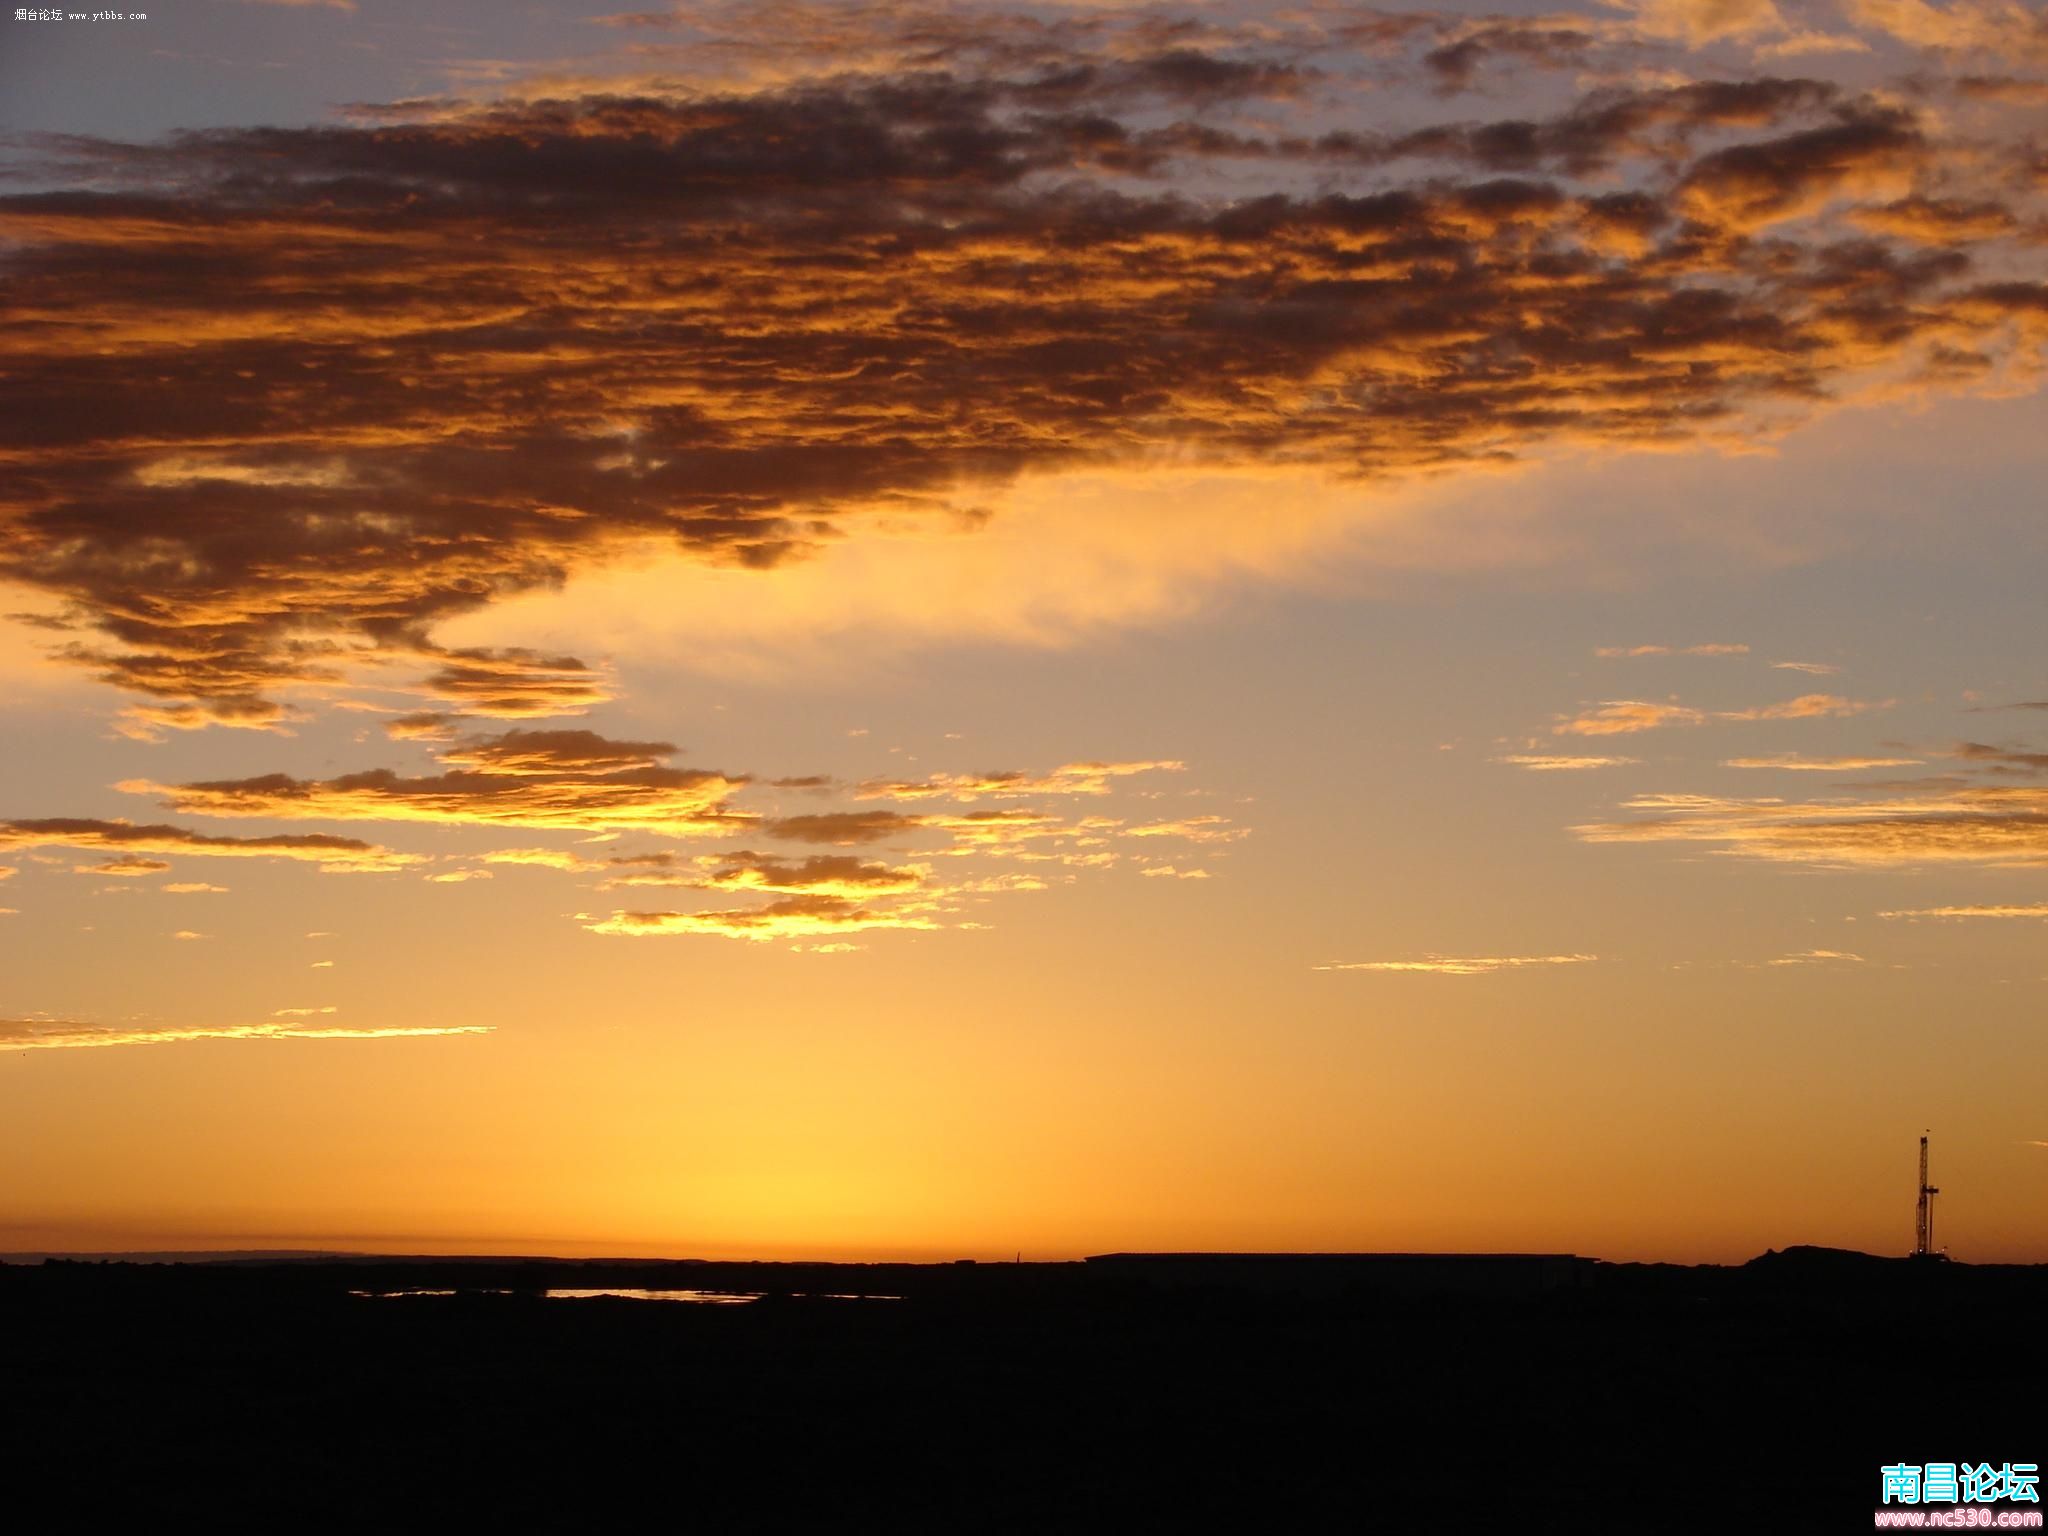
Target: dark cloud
(2002,760)
(126,864)
(425,725)
(1746,186)
(745,870)
(521,778)
(548,752)
(793,917)
(1905,826)
(844,828)
(338,853)
(275,402)
(1456,62)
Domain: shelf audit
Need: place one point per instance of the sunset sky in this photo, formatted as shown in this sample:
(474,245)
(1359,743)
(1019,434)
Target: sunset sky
(894,630)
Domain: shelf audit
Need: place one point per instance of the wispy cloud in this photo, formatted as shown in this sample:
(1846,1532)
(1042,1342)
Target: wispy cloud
(1625,717)
(1808,706)
(1622,717)
(2037,911)
(66,1034)
(344,854)
(794,917)
(555,779)
(1987,825)
(1543,764)
(1459,965)
(1819,957)
(1614,652)
(1798,763)
(1068,779)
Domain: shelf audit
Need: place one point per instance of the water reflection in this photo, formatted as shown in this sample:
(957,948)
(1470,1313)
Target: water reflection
(638,1293)
(631,1293)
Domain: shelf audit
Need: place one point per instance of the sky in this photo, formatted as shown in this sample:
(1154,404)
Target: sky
(886,630)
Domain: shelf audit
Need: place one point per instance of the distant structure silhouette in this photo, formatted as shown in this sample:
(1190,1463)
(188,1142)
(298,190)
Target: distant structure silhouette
(1923,1224)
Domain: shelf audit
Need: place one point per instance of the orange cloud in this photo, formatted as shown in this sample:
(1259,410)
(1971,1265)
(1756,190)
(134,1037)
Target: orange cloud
(1613,652)
(1625,717)
(1808,706)
(1800,764)
(1459,965)
(1989,825)
(1541,764)
(1819,957)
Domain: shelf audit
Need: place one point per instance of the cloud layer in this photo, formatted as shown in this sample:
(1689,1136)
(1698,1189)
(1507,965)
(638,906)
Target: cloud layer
(278,401)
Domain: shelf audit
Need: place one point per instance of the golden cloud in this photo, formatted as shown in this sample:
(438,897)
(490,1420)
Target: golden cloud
(794,917)
(66,1034)
(1541,764)
(561,779)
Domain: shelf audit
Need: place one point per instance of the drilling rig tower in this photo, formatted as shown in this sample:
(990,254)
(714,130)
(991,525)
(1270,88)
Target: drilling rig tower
(1923,1225)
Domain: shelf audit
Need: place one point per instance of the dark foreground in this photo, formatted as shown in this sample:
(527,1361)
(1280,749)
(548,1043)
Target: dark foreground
(1040,1397)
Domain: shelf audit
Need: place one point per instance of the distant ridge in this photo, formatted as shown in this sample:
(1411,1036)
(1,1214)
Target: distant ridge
(180,1256)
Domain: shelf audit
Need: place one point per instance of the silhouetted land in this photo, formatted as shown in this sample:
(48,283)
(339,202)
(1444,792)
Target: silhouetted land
(1035,1396)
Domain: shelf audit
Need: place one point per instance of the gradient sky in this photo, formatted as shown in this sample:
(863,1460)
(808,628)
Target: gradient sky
(875,629)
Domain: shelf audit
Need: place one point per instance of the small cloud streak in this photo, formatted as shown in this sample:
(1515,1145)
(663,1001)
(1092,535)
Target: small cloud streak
(1808,706)
(1990,825)
(1542,764)
(127,864)
(342,854)
(1067,779)
(2038,911)
(1617,652)
(569,779)
(1819,957)
(793,917)
(1622,717)
(66,1034)
(1459,965)
(1801,764)
(1625,717)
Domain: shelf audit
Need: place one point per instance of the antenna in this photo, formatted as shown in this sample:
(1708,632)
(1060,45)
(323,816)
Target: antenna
(1923,1225)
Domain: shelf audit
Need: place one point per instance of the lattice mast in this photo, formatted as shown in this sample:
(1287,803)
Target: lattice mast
(1923,1225)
